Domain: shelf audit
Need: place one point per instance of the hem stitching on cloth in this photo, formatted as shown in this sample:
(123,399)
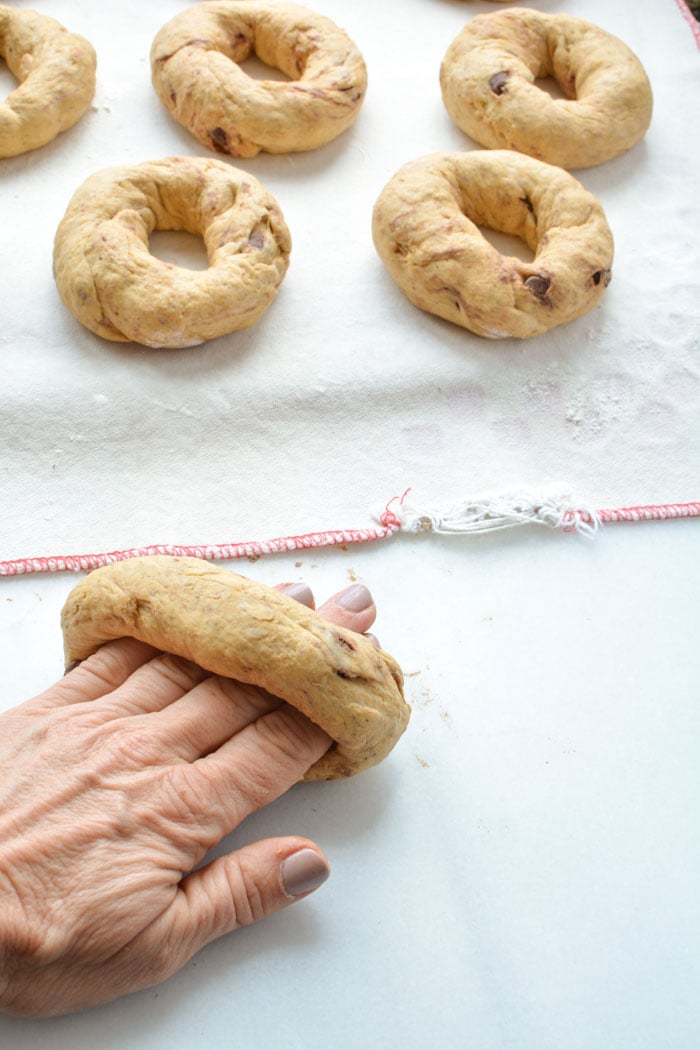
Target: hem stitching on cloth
(690,19)
(492,513)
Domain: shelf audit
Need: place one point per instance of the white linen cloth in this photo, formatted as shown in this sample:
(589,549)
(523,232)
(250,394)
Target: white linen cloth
(344,394)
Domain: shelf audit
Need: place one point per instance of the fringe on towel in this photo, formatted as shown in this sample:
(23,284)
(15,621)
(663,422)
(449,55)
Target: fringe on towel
(492,513)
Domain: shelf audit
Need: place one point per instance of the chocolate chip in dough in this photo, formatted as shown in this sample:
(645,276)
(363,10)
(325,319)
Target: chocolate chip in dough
(219,140)
(539,286)
(499,82)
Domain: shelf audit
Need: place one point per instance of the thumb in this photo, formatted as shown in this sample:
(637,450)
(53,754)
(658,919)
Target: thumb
(232,891)
(241,888)
(254,882)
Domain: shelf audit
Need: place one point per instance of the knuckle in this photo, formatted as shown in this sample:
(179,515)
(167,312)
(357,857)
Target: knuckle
(288,735)
(32,942)
(129,745)
(111,664)
(250,787)
(187,794)
(280,749)
(177,670)
(239,895)
(247,896)
(249,701)
(237,692)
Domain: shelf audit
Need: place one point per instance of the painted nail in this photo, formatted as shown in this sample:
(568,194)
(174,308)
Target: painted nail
(355,599)
(303,871)
(300,592)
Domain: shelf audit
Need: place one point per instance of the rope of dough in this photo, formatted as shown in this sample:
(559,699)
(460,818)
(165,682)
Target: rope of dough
(241,629)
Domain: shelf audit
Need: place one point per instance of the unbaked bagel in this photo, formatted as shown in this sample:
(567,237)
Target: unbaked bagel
(194,61)
(241,629)
(111,283)
(488,80)
(56,74)
(426,229)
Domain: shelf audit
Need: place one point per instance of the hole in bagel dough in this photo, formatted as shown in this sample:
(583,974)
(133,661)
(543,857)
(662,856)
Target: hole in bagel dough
(179,248)
(507,244)
(259,70)
(8,82)
(551,87)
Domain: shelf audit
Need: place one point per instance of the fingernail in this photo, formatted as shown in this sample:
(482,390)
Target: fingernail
(300,592)
(355,599)
(303,871)
(373,639)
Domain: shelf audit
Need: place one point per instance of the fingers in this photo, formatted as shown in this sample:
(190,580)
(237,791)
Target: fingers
(154,686)
(98,675)
(300,592)
(333,609)
(202,720)
(197,711)
(352,607)
(248,771)
(192,724)
(149,680)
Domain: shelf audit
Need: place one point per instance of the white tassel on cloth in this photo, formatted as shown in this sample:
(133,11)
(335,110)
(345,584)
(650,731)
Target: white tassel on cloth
(505,511)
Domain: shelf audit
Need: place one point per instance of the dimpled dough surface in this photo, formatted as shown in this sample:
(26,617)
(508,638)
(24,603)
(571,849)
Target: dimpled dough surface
(488,80)
(56,74)
(110,281)
(244,630)
(426,229)
(195,64)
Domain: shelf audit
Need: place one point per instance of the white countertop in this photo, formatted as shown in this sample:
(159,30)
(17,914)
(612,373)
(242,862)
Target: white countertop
(522,870)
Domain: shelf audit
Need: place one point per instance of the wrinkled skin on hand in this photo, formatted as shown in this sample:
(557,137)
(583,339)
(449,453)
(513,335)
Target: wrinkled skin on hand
(114,784)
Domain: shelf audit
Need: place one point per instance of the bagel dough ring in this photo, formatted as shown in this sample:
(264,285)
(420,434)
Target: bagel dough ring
(241,629)
(111,283)
(194,63)
(56,74)
(426,229)
(488,85)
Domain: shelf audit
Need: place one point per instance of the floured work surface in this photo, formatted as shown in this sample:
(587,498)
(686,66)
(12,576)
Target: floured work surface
(344,393)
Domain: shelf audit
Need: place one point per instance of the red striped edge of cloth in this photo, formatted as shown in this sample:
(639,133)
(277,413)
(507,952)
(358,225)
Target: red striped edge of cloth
(489,514)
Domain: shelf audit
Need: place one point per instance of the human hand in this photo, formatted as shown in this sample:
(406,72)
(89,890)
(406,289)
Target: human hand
(114,784)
